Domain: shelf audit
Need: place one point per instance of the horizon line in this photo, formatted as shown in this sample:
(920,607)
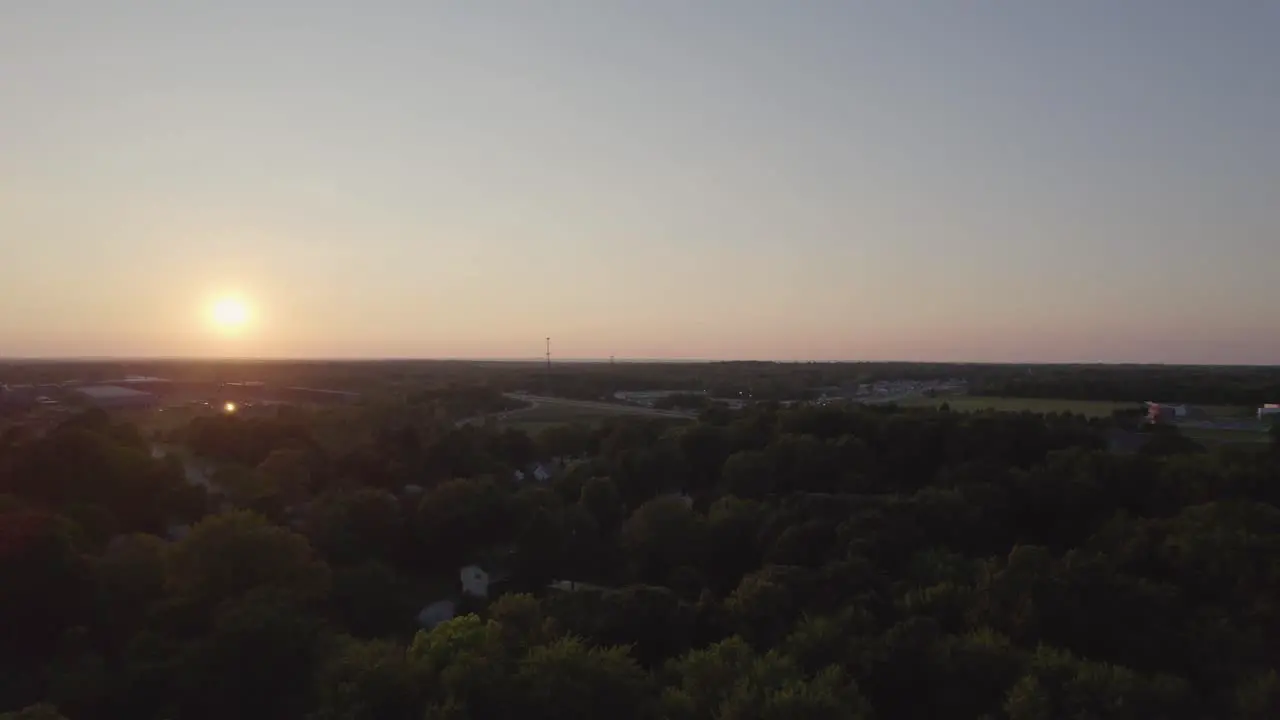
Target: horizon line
(595,360)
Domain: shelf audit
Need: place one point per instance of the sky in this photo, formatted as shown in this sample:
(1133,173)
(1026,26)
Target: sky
(973,181)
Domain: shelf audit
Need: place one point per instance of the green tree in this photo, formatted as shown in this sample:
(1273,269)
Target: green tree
(540,549)
(130,581)
(830,695)
(699,680)
(763,605)
(750,474)
(369,680)
(259,660)
(652,621)
(729,680)
(227,557)
(286,471)
(705,449)
(249,490)
(45,590)
(467,665)
(40,711)
(569,679)
(456,519)
(522,621)
(1258,696)
(356,526)
(660,536)
(601,498)
(1059,685)
(733,546)
(373,599)
(567,440)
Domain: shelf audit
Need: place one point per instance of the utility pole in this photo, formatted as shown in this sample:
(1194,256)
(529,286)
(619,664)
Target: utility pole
(548,366)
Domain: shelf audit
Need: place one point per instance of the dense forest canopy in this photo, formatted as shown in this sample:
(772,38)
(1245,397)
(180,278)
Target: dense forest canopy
(774,562)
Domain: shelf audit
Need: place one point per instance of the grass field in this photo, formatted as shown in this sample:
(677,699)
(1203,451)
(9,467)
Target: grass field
(1091,408)
(1223,435)
(1097,408)
(544,415)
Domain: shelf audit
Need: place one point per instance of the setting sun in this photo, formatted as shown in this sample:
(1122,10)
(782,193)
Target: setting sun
(230,313)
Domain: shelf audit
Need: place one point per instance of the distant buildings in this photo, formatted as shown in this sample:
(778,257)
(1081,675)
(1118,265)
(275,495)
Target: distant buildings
(114,396)
(535,471)
(1165,412)
(889,390)
(649,398)
(153,385)
(318,396)
(17,397)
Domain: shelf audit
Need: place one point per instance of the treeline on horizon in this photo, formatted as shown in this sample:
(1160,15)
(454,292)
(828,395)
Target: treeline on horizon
(1209,385)
(770,563)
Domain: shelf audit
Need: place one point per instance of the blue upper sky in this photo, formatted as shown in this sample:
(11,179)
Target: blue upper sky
(1085,180)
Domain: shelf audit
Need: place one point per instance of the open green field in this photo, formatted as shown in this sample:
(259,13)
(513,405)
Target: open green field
(544,415)
(969,403)
(1225,435)
(1090,408)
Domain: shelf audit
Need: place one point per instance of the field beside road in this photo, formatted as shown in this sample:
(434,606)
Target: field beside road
(544,412)
(1219,435)
(971,403)
(1220,424)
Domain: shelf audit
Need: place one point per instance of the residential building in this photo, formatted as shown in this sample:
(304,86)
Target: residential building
(475,581)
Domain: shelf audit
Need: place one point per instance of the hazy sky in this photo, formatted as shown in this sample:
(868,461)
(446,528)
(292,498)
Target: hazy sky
(1082,180)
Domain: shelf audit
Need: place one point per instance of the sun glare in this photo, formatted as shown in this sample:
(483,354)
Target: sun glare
(230,313)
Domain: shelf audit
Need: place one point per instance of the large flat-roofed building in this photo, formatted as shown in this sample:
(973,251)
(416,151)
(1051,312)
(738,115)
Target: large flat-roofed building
(114,396)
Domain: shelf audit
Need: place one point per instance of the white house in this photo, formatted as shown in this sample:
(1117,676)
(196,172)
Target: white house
(475,581)
(573,585)
(538,472)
